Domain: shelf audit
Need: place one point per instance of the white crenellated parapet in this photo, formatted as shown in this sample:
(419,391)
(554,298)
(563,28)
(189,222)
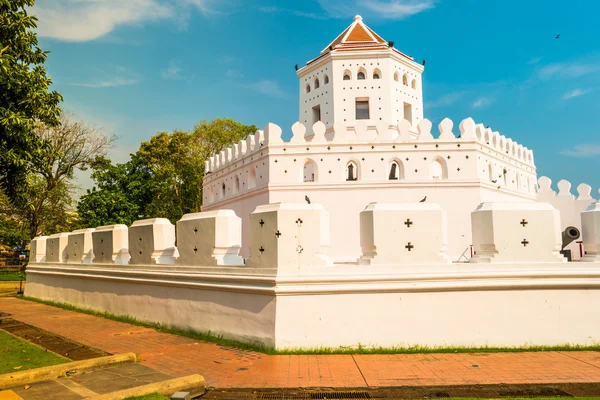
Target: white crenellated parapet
(590,222)
(152,241)
(80,248)
(111,244)
(287,236)
(569,206)
(56,248)
(516,232)
(360,132)
(411,233)
(37,252)
(209,239)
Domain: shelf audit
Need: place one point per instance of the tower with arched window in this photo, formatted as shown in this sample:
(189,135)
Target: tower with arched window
(360,77)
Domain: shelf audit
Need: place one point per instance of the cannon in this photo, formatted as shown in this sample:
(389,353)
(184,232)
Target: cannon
(569,235)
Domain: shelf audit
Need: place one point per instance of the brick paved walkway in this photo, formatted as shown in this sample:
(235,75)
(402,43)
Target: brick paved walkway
(230,368)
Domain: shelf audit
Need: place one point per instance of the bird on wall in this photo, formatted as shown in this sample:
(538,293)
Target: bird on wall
(423,62)
(296,67)
(307,199)
(423,199)
(557,36)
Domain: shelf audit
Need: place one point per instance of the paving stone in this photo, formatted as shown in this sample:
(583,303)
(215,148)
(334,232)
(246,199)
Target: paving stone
(225,367)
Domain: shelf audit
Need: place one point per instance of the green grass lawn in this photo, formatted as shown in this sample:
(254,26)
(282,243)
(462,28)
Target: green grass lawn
(12,276)
(18,355)
(154,396)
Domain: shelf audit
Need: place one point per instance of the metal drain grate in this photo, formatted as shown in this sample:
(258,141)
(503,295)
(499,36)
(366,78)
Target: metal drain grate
(438,395)
(313,396)
(534,392)
(339,395)
(282,396)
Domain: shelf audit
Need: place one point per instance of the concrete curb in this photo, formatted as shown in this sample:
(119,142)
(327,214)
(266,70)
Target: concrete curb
(192,383)
(57,371)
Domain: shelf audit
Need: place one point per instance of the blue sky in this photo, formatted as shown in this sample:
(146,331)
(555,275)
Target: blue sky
(138,67)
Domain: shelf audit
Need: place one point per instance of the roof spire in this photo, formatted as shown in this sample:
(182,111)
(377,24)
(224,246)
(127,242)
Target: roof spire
(358,18)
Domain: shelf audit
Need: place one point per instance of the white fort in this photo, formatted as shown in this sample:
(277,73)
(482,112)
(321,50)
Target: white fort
(325,240)
(362,138)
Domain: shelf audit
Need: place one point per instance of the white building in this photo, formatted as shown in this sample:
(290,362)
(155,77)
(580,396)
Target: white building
(362,138)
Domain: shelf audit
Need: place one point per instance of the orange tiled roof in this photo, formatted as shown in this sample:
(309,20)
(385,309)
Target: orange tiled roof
(357,37)
(359,34)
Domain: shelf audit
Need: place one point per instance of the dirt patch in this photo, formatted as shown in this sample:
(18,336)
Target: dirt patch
(57,344)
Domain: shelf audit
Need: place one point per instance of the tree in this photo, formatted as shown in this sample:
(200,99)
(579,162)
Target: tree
(106,207)
(162,179)
(25,99)
(72,145)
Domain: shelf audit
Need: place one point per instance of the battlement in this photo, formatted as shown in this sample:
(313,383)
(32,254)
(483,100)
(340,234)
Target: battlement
(288,237)
(383,133)
(385,155)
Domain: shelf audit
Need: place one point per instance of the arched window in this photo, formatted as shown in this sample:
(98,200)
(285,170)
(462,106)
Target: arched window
(317,83)
(413,84)
(223,190)
(310,171)
(325,80)
(236,185)
(396,76)
(491,173)
(405,79)
(438,169)
(360,75)
(377,74)
(307,88)
(347,75)
(396,171)
(351,171)
(251,178)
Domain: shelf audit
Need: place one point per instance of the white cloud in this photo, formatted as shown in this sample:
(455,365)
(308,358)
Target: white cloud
(235,74)
(534,60)
(83,20)
(567,70)
(121,76)
(583,150)
(576,93)
(483,102)
(291,11)
(397,9)
(446,100)
(386,9)
(172,72)
(268,88)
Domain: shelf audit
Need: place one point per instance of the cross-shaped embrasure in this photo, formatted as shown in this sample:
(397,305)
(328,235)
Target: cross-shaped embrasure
(523,222)
(195,249)
(261,223)
(525,242)
(299,221)
(195,230)
(261,250)
(277,233)
(409,246)
(408,223)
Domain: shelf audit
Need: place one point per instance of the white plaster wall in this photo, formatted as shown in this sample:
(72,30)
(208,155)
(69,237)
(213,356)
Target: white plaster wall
(451,318)
(344,204)
(243,206)
(398,305)
(244,316)
(322,96)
